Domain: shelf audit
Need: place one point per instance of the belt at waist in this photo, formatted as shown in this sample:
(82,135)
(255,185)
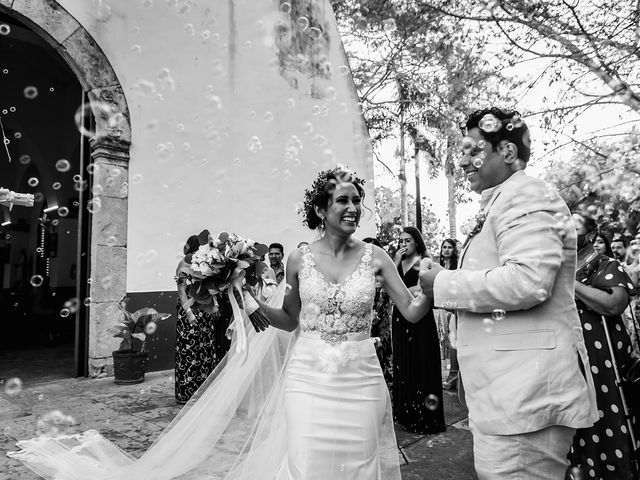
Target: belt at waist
(332,337)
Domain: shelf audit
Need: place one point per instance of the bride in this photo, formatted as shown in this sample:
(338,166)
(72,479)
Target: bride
(311,404)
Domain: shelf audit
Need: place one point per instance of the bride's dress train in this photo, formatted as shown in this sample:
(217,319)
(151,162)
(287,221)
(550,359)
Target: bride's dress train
(307,405)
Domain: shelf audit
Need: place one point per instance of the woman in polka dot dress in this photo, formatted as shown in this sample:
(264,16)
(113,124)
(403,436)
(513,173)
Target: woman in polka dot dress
(604,451)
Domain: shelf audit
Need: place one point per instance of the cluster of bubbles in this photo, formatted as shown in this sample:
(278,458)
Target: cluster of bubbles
(497,315)
(149,256)
(54,423)
(255,144)
(70,307)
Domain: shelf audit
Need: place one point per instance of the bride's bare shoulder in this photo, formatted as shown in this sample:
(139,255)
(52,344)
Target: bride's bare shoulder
(295,259)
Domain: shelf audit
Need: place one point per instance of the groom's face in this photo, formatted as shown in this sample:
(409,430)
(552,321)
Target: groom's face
(486,172)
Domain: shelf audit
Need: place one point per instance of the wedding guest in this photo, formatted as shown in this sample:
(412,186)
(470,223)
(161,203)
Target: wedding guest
(276,254)
(201,340)
(601,245)
(524,370)
(619,248)
(602,294)
(446,319)
(417,376)
(381,326)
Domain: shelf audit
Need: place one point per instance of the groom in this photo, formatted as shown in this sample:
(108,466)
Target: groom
(523,361)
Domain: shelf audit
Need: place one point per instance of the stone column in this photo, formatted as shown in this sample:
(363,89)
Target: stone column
(108,262)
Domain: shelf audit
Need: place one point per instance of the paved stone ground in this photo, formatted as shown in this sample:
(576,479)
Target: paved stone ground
(133,416)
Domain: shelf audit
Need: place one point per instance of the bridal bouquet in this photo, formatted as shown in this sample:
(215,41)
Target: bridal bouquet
(223,265)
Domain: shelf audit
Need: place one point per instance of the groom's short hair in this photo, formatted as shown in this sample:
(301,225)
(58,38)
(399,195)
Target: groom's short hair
(513,129)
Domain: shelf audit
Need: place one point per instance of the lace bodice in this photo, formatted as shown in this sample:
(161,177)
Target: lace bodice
(336,310)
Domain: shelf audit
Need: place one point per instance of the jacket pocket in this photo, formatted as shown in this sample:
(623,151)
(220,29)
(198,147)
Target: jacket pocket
(524,340)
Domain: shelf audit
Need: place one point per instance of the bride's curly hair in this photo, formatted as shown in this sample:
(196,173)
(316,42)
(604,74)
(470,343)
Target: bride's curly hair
(321,191)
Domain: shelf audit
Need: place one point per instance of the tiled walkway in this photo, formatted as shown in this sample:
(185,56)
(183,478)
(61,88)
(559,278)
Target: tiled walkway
(133,416)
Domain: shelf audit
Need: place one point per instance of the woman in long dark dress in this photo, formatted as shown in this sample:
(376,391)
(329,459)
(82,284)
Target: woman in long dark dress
(417,378)
(602,291)
(201,340)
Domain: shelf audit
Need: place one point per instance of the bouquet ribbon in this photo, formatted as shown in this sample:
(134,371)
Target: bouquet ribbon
(238,323)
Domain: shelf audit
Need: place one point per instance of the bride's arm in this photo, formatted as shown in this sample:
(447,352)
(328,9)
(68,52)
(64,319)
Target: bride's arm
(412,308)
(286,318)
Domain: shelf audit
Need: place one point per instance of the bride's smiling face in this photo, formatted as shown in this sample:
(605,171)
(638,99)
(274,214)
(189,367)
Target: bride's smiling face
(344,209)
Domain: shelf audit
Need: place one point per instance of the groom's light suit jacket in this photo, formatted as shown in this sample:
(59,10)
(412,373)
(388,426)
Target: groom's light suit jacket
(529,370)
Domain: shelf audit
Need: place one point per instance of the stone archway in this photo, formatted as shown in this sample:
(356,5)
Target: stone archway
(110,147)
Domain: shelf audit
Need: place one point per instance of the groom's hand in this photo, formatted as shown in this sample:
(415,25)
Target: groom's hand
(428,271)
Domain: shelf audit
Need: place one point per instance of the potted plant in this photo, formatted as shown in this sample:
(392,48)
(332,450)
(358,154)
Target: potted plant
(129,361)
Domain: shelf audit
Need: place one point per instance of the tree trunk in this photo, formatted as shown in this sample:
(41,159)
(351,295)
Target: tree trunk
(402,176)
(449,168)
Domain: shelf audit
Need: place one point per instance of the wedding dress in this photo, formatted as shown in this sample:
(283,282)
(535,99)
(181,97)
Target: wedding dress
(308,405)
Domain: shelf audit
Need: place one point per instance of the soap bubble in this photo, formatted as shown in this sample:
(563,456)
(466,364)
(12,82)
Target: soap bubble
(285,7)
(63,211)
(302,24)
(24,159)
(541,294)
(63,165)
(5,29)
(30,92)
(498,314)
(315,33)
(477,162)
(487,324)
(64,312)
(87,301)
(37,280)
(432,402)
(575,473)
(56,185)
(93,205)
(13,386)
(33,182)
(17,135)
(150,328)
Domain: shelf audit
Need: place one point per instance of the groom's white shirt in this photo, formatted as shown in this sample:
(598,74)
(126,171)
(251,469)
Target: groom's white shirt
(529,370)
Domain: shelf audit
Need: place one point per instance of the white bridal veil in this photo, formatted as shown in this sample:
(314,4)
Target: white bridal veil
(221,433)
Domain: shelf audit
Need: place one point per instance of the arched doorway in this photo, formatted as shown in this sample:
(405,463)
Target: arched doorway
(67,131)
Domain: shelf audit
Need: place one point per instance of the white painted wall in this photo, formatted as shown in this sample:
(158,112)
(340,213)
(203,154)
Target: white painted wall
(198,91)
